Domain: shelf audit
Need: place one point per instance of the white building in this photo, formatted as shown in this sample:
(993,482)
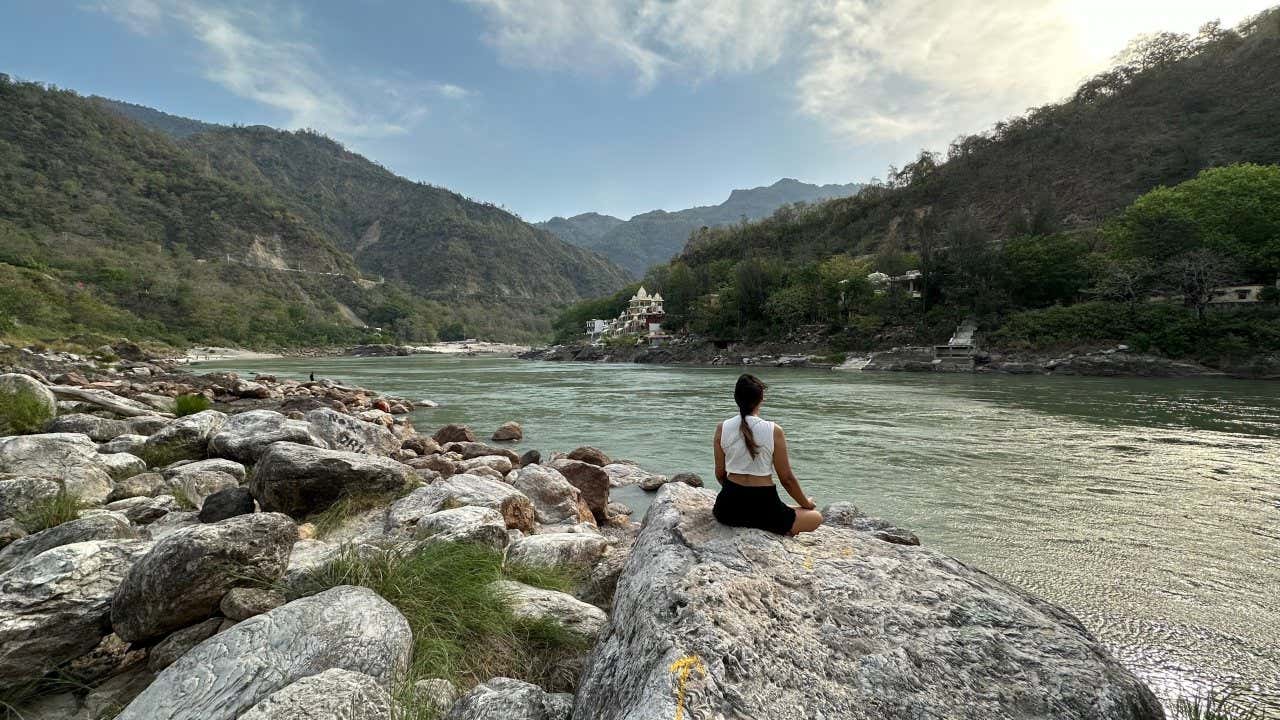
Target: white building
(642,317)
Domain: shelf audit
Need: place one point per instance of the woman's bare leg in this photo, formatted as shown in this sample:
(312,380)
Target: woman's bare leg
(806,521)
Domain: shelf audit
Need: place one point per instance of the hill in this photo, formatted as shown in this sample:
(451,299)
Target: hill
(172,125)
(251,236)
(654,237)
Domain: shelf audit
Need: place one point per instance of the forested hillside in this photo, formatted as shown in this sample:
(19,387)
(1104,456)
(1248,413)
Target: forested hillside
(1035,227)
(654,237)
(251,236)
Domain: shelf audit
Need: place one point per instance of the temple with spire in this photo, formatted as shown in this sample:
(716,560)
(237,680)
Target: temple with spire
(641,318)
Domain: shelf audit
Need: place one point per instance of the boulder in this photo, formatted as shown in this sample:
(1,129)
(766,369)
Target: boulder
(845,514)
(126,443)
(26,405)
(345,627)
(602,581)
(146,424)
(300,480)
(122,466)
(458,491)
(591,480)
(226,503)
(470,450)
(652,481)
(54,607)
(420,444)
(739,622)
(454,433)
(470,523)
(437,694)
(508,432)
(169,524)
(140,485)
(334,694)
(183,578)
(624,473)
(588,454)
(530,457)
(309,555)
(101,526)
(194,486)
(688,478)
(497,463)
(245,436)
(10,532)
(555,500)
(186,438)
(178,643)
(19,495)
(531,603)
(242,603)
(435,463)
(562,549)
(71,458)
(98,429)
(230,467)
(485,471)
(145,510)
(509,699)
(344,432)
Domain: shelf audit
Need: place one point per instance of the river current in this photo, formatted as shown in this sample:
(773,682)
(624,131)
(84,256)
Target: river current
(1148,508)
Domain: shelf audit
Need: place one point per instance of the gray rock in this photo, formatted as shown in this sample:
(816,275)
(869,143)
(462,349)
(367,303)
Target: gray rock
(126,443)
(602,582)
(19,495)
(555,500)
(146,425)
(186,438)
(140,485)
(458,491)
(242,603)
(71,458)
(104,700)
(10,532)
(839,624)
(569,612)
(688,478)
(102,526)
(507,699)
(182,579)
(54,607)
(195,486)
(300,480)
(122,466)
(307,556)
(98,429)
(169,524)
(435,693)
(179,642)
(841,514)
(435,463)
(346,627)
(625,473)
(344,432)
(225,504)
(145,510)
(530,457)
(334,694)
(498,463)
(562,549)
(591,480)
(470,523)
(230,467)
(472,450)
(653,481)
(420,444)
(26,405)
(245,436)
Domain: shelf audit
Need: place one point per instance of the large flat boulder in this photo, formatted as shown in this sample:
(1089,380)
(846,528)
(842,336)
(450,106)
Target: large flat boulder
(469,523)
(245,436)
(334,694)
(299,479)
(458,491)
(70,458)
(99,429)
(54,606)
(103,525)
(349,628)
(183,578)
(567,611)
(741,623)
(186,438)
(577,550)
(344,432)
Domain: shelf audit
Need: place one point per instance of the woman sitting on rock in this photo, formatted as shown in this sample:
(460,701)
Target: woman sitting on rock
(748,451)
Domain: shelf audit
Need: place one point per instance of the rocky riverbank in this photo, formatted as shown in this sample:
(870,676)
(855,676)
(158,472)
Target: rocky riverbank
(286,552)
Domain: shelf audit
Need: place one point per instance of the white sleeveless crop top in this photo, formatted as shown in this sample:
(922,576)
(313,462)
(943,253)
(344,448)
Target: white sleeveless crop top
(737,458)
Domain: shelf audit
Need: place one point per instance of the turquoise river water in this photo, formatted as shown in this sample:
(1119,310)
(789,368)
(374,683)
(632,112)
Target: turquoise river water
(1148,508)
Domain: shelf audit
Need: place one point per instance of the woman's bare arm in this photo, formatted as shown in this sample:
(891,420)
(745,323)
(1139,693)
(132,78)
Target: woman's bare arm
(721,475)
(782,466)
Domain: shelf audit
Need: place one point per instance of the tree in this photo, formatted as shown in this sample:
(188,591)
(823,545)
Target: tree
(1043,270)
(1197,274)
(1127,280)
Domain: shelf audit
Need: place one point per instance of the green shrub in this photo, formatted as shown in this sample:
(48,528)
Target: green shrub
(462,630)
(22,413)
(190,404)
(51,512)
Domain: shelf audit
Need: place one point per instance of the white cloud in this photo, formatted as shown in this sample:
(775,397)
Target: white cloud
(248,50)
(869,70)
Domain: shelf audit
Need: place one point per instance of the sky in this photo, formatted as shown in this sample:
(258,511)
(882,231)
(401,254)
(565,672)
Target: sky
(556,107)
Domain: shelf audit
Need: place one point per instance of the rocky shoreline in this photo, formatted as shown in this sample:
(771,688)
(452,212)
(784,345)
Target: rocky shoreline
(225,564)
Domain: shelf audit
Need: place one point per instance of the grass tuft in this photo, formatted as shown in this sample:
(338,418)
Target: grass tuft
(463,631)
(22,413)
(332,518)
(51,512)
(1216,705)
(190,404)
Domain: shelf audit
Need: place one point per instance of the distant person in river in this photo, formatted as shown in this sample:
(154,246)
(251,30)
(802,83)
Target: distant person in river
(749,450)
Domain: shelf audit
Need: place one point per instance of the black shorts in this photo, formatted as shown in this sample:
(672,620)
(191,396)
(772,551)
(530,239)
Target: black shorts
(752,506)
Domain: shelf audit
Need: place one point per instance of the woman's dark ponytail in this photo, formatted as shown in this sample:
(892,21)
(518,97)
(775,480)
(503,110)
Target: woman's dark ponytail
(748,394)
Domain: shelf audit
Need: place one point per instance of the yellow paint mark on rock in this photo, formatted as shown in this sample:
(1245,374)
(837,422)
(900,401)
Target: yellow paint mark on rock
(683,667)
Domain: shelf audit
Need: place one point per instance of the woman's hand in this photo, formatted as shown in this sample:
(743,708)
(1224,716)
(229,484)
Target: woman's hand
(809,504)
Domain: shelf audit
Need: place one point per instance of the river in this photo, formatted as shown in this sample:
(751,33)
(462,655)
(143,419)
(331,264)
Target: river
(1148,508)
